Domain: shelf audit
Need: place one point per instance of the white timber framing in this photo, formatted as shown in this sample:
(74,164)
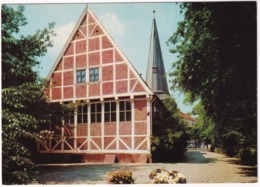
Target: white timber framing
(133,124)
(116,48)
(117,124)
(147,92)
(118,137)
(149,122)
(89,122)
(102,124)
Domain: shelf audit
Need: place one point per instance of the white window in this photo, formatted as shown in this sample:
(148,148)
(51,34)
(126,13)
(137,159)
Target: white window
(82,114)
(69,116)
(125,111)
(81,76)
(93,74)
(110,111)
(95,112)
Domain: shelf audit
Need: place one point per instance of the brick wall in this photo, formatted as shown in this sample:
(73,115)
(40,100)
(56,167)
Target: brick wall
(125,128)
(110,128)
(89,48)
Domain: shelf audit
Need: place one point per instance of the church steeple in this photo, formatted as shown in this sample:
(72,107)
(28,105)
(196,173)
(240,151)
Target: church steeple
(155,73)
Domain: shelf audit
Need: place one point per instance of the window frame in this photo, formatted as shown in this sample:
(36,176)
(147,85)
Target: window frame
(125,111)
(94,72)
(96,113)
(69,117)
(81,78)
(81,113)
(110,114)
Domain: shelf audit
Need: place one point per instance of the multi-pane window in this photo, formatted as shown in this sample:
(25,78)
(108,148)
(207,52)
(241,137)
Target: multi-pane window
(125,110)
(69,116)
(110,111)
(94,74)
(81,76)
(95,112)
(82,114)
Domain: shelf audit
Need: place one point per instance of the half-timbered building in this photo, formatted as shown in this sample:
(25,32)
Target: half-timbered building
(113,106)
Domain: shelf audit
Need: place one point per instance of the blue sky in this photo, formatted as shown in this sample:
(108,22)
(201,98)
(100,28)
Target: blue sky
(129,24)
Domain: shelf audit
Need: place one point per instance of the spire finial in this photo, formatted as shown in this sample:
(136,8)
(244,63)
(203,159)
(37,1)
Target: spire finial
(155,72)
(153,11)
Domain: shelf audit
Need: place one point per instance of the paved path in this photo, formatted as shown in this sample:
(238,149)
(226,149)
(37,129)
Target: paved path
(200,166)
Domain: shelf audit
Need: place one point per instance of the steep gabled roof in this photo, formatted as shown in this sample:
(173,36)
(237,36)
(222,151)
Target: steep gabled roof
(67,42)
(155,73)
(87,12)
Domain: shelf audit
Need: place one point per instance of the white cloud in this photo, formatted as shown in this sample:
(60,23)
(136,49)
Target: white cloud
(63,32)
(113,24)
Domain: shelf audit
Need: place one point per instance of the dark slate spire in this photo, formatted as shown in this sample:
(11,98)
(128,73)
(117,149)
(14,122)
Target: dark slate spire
(155,73)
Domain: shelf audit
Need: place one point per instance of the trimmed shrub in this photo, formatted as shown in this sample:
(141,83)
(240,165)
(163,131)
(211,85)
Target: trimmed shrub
(121,176)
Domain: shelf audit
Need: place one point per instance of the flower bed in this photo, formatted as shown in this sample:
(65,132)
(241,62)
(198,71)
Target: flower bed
(162,176)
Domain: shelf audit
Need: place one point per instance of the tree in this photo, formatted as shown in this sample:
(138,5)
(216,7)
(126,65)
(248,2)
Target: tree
(25,111)
(204,127)
(169,135)
(216,47)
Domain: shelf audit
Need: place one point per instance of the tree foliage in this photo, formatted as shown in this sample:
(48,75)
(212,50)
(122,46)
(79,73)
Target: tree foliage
(216,47)
(169,135)
(25,111)
(204,129)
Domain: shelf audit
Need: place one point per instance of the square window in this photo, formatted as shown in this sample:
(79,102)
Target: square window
(81,76)
(94,74)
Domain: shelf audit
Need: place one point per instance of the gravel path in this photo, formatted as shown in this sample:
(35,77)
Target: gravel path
(200,166)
